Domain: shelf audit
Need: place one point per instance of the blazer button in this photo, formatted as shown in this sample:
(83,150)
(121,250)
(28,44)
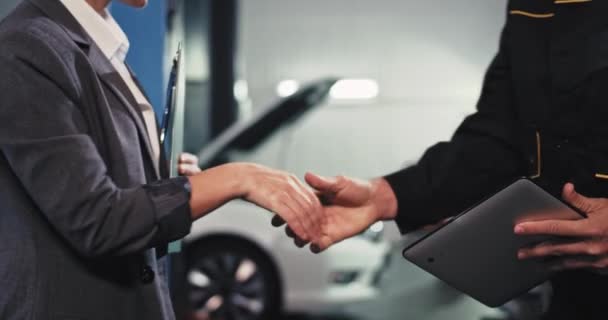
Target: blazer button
(146,274)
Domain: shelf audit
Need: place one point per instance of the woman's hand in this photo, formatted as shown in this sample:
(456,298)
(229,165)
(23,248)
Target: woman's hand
(279,192)
(588,247)
(187,165)
(285,195)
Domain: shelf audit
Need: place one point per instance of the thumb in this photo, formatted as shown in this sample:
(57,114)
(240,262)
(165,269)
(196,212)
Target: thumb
(323,184)
(576,199)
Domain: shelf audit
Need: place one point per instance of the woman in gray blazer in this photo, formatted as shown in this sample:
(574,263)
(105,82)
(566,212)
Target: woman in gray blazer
(86,206)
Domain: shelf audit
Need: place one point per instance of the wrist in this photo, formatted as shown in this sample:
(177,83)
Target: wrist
(241,178)
(228,180)
(384,199)
(214,187)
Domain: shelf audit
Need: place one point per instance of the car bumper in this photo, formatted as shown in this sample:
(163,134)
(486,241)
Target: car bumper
(333,291)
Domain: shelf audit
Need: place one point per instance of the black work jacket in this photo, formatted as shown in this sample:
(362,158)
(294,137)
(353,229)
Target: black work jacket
(542,113)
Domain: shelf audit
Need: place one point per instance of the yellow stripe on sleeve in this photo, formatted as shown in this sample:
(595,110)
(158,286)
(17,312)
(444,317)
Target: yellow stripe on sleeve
(532,15)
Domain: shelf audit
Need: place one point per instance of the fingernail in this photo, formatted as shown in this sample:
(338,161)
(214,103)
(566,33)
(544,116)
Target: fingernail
(521,255)
(300,242)
(290,232)
(276,221)
(315,248)
(519,229)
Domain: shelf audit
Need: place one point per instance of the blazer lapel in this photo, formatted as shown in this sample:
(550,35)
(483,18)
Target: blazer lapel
(112,79)
(104,69)
(137,82)
(163,169)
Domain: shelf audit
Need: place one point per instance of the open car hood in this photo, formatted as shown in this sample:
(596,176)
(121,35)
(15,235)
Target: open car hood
(246,135)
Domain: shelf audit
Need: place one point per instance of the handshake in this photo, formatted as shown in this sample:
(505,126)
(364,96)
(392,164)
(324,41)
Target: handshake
(321,211)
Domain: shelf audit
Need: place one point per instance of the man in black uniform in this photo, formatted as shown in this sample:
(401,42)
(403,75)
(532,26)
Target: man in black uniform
(541,114)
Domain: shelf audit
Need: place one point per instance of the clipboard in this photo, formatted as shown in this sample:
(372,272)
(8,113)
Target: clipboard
(173,120)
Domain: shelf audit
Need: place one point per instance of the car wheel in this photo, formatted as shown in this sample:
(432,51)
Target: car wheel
(231,279)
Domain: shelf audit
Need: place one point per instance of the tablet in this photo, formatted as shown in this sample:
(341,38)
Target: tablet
(476,252)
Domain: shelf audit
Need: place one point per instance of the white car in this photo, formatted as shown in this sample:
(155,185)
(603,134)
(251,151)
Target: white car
(239,267)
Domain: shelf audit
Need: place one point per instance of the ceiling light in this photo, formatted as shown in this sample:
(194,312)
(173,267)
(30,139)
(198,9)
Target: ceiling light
(287,88)
(354,89)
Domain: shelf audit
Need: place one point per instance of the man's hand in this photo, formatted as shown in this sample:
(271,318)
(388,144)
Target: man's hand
(589,245)
(350,207)
(188,165)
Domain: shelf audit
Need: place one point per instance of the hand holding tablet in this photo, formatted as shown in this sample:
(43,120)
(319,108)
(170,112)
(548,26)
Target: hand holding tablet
(477,251)
(587,245)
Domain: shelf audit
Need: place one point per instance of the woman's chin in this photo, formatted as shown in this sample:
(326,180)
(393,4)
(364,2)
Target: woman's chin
(135,3)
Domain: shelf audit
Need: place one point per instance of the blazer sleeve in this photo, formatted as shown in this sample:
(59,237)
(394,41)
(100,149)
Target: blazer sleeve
(43,137)
(481,156)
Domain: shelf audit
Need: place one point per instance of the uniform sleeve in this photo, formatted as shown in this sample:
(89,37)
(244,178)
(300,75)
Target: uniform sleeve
(481,157)
(44,139)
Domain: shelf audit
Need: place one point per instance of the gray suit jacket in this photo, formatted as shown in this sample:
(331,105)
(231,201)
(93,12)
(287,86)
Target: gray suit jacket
(84,218)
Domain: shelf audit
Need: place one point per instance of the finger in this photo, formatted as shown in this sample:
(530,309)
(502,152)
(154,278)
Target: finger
(299,242)
(323,244)
(188,158)
(289,232)
(295,231)
(568,228)
(192,170)
(280,204)
(299,208)
(187,169)
(336,232)
(591,248)
(323,184)
(277,221)
(570,264)
(182,169)
(288,215)
(582,262)
(296,209)
(314,213)
(311,195)
(576,199)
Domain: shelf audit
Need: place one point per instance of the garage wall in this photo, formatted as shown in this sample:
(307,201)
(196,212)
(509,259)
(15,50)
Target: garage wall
(428,57)
(433,49)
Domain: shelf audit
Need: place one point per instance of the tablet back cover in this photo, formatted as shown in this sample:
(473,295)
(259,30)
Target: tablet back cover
(476,252)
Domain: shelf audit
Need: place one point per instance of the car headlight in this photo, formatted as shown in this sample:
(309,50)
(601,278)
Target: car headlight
(374,232)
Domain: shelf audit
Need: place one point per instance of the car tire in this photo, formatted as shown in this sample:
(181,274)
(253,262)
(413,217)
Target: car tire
(230,278)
